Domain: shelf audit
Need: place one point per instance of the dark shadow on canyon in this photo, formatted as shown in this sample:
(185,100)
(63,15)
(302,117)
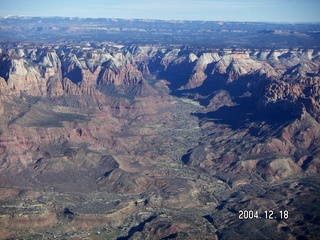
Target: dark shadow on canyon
(246,93)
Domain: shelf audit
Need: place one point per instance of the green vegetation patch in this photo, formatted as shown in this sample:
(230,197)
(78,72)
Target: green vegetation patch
(45,114)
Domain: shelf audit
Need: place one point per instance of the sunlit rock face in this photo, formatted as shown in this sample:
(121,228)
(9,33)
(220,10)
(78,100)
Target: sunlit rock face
(163,137)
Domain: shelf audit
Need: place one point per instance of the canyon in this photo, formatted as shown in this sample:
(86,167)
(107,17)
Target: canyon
(128,140)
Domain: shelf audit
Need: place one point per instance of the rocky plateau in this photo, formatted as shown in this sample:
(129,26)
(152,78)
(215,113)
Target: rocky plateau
(158,141)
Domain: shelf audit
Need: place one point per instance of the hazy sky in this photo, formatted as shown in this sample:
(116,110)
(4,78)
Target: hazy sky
(224,10)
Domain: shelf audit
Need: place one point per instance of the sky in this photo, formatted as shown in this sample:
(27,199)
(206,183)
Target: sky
(290,11)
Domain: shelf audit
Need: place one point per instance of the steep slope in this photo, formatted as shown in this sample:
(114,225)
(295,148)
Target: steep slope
(161,141)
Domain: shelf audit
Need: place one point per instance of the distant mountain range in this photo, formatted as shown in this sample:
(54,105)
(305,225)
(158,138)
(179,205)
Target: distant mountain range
(191,33)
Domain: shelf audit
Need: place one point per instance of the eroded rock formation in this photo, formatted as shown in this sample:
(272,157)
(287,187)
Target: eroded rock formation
(149,131)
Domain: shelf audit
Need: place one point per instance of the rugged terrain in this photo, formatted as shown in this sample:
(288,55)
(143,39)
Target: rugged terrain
(109,140)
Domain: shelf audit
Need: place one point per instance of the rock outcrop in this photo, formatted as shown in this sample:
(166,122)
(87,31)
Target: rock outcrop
(148,136)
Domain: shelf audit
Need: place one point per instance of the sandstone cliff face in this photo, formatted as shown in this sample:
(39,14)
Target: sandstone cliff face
(128,65)
(69,71)
(127,75)
(291,77)
(110,120)
(20,76)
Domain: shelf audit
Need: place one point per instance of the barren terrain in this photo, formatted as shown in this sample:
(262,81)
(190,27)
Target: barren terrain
(129,140)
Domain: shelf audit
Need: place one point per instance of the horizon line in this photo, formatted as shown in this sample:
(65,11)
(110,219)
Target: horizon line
(163,20)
